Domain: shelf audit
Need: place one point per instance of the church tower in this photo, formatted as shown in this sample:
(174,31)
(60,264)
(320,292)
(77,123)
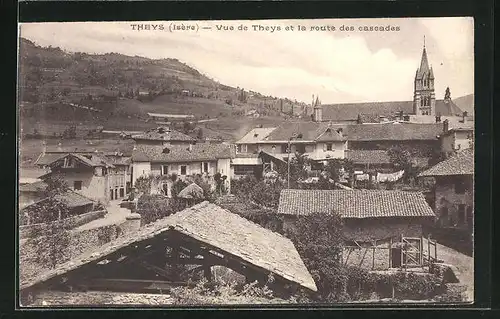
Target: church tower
(424,98)
(318,110)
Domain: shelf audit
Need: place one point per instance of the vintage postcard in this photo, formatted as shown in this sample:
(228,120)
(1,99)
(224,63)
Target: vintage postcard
(252,162)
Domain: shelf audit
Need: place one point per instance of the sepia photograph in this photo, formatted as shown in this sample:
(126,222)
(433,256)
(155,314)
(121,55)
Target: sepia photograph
(246,162)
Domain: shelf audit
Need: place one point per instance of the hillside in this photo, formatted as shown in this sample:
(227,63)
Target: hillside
(465,103)
(116,91)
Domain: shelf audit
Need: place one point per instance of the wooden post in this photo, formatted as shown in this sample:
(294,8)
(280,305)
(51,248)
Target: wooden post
(429,250)
(390,252)
(435,251)
(207,273)
(373,257)
(402,255)
(421,250)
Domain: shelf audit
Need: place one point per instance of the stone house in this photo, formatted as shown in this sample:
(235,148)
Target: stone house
(454,139)
(117,173)
(89,175)
(184,161)
(454,190)
(372,218)
(318,141)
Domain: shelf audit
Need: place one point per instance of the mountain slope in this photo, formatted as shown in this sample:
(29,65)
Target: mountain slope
(117,91)
(465,103)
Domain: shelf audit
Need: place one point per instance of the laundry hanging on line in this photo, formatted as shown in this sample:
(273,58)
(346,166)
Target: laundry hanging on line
(393,177)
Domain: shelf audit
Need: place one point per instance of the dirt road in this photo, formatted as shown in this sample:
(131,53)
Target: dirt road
(116,215)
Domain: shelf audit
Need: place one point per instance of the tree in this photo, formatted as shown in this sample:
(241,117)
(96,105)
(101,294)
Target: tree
(319,240)
(177,187)
(199,134)
(335,169)
(401,158)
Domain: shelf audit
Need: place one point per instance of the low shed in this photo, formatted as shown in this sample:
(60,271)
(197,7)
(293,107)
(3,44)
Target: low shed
(205,235)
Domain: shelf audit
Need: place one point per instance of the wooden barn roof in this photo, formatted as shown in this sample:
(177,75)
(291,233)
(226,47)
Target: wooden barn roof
(213,226)
(354,203)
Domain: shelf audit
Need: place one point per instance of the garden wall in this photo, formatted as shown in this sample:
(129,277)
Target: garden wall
(28,231)
(30,249)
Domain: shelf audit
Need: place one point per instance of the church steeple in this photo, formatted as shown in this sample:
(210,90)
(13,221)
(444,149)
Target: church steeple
(424,101)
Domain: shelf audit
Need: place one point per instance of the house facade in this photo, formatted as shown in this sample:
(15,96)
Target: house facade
(185,162)
(454,191)
(262,147)
(114,174)
(455,139)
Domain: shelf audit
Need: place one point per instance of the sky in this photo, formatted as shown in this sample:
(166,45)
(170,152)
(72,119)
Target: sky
(341,66)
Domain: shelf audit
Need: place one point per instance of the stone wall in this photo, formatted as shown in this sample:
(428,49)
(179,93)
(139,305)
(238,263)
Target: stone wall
(28,231)
(79,242)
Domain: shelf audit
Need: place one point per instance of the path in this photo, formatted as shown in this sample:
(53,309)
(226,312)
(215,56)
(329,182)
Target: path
(464,264)
(116,215)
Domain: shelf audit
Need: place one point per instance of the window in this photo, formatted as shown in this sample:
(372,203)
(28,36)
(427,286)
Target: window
(444,216)
(284,148)
(204,167)
(244,148)
(329,146)
(461,214)
(183,169)
(460,187)
(300,148)
(77,185)
(164,169)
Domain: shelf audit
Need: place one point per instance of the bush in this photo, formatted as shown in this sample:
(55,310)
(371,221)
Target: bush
(154,207)
(319,241)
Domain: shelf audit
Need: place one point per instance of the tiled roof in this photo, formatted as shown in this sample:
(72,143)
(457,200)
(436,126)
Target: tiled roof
(256,135)
(461,163)
(46,159)
(93,161)
(73,199)
(182,153)
(393,131)
(355,203)
(33,187)
(70,198)
(310,131)
(214,226)
(368,156)
(369,118)
(163,134)
(191,191)
(350,111)
(447,108)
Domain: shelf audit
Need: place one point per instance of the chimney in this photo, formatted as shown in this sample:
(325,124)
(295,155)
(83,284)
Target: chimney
(190,147)
(132,223)
(464,116)
(445,126)
(401,115)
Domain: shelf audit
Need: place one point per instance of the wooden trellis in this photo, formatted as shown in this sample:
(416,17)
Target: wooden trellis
(409,252)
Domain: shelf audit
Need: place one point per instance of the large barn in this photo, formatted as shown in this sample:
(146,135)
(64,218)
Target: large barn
(371,217)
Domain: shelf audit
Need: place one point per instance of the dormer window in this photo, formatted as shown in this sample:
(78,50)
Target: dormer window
(166,150)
